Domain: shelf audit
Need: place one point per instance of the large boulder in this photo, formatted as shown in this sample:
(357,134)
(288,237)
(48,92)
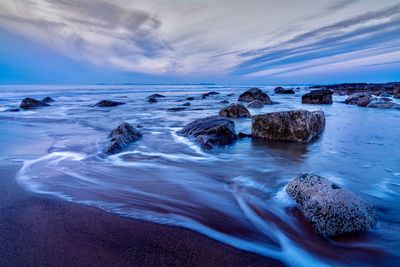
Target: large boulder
(210,131)
(235,110)
(108,103)
(256,104)
(281,90)
(359,99)
(317,97)
(31,103)
(121,137)
(332,210)
(300,126)
(255,94)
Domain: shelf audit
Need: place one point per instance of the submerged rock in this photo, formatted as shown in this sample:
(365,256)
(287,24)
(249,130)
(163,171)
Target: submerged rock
(359,99)
(187,104)
(396,93)
(31,103)
(317,97)
(383,103)
(210,131)
(230,94)
(281,90)
(190,98)
(235,110)
(108,103)
(48,99)
(155,96)
(224,102)
(300,126)
(256,104)
(121,137)
(152,100)
(205,95)
(176,109)
(12,110)
(255,94)
(332,210)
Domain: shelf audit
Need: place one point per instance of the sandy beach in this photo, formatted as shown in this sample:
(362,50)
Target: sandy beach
(37,230)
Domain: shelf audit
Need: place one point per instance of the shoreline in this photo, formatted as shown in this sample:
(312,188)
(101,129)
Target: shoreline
(40,230)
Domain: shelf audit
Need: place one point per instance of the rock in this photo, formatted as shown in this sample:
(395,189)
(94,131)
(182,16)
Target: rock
(256,104)
(31,103)
(359,99)
(235,110)
(12,110)
(108,103)
(155,96)
(152,100)
(231,94)
(176,109)
(190,98)
(205,95)
(48,99)
(396,93)
(121,137)
(224,102)
(300,126)
(281,90)
(187,104)
(255,94)
(384,94)
(382,103)
(244,135)
(332,210)
(210,131)
(317,97)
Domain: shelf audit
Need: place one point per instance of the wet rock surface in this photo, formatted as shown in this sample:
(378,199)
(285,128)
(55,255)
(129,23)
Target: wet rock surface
(255,94)
(256,104)
(300,126)
(121,137)
(317,97)
(235,110)
(283,91)
(108,103)
(359,99)
(32,103)
(155,96)
(210,131)
(331,210)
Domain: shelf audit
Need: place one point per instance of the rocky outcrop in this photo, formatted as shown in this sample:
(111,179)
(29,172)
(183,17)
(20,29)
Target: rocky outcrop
(331,210)
(235,110)
(281,90)
(48,99)
(256,104)
(359,99)
(31,103)
(255,94)
(317,97)
(121,137)
(210,131)
(108,103)
(300,126)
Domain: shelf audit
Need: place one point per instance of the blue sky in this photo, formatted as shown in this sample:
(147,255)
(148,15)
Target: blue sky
(193,41)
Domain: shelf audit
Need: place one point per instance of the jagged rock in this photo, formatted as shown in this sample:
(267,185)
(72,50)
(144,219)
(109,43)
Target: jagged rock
(332,210)
(281,90)
(31,103)
(121,137)
(255,94)
(255,104)
(300,126)
(48,99)
(317,97)
(359,99)
(210,131)
(108,103)
(235,110)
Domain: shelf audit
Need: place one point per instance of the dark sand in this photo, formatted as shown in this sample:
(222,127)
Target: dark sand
(37,230)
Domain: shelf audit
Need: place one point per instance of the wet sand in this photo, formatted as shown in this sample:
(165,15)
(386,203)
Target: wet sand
(38,230)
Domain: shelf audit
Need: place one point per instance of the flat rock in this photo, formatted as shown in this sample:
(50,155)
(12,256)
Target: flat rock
(300,126)
(121,137)
(255,94)
(317,97)
(31,103)
(108,103)
(211,131)
(235,110)
(256,104)
(283,91)
(331,210)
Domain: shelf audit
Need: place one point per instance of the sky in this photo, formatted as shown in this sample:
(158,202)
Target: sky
(199,41)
